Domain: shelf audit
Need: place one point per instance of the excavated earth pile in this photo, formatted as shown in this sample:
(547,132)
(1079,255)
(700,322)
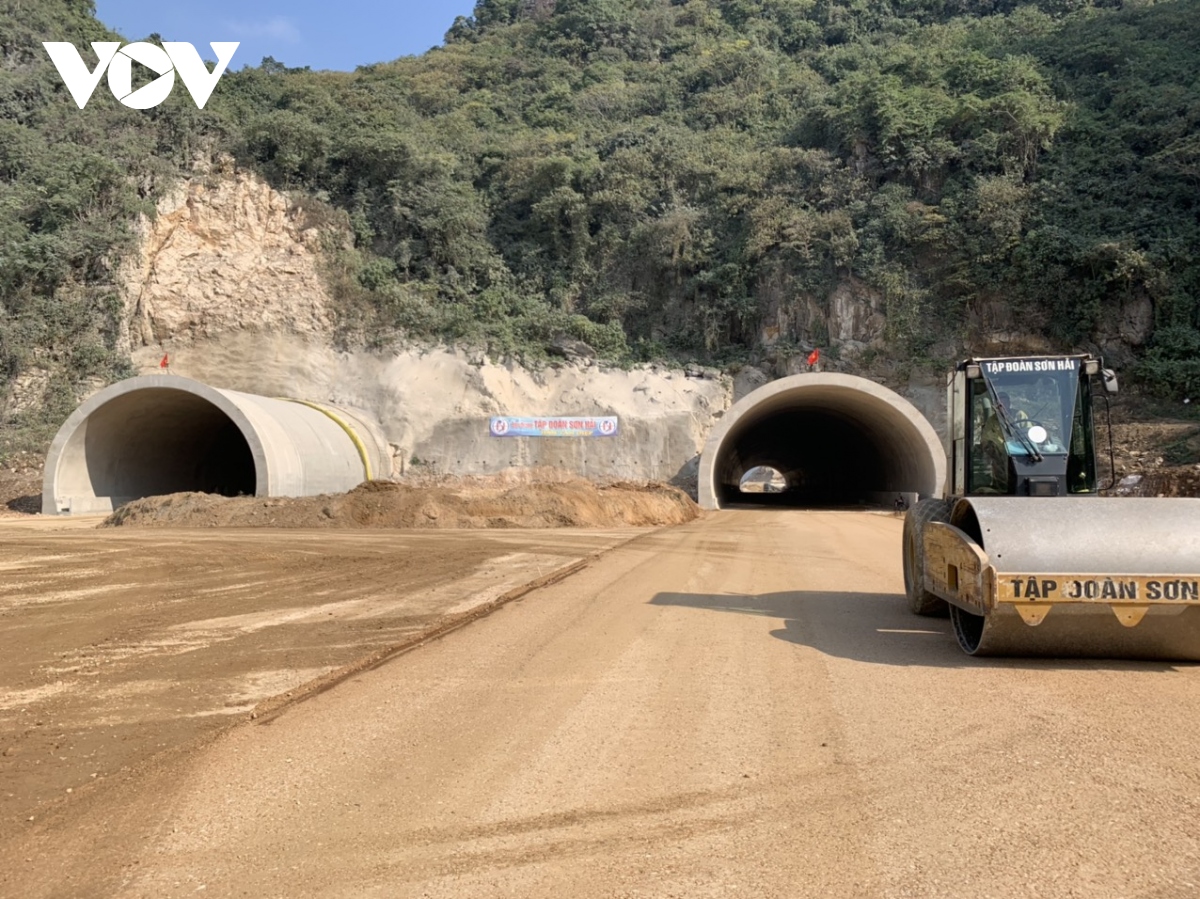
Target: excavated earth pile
(1159,458)
(1173,481)
(385,504)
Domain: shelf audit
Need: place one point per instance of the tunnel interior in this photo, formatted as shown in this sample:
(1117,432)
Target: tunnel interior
(158,441)
(825,460)
(835,446)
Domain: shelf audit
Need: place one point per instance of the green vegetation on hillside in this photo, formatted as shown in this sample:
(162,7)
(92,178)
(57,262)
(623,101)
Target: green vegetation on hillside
(655,176)
(72,184)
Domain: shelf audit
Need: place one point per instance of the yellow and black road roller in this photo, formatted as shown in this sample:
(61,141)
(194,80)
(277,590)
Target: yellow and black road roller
(1023,552)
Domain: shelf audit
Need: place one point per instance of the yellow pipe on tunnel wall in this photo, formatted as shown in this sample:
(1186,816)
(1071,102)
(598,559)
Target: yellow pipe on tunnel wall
(341,423)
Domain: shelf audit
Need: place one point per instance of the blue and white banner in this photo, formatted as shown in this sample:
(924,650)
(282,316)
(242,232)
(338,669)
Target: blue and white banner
(601,426)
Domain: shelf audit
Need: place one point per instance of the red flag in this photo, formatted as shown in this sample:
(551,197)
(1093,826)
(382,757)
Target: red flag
(164,363)
(814,357)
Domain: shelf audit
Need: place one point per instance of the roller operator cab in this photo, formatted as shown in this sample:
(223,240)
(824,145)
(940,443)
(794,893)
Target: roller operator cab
(1023,552)
(1023,426)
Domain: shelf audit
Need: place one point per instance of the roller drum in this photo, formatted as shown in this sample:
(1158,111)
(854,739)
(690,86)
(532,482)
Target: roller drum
(1168,633)
(1102,537)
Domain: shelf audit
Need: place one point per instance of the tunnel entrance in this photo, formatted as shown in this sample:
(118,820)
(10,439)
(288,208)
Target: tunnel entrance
(160,441)
(837,440)
(160,434)
(153,442)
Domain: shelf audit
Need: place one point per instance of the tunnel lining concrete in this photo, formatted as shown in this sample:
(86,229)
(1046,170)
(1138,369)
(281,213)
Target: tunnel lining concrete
(825,412)
(164,433)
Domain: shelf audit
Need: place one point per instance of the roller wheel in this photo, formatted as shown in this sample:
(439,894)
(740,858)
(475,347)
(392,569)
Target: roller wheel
(920,600)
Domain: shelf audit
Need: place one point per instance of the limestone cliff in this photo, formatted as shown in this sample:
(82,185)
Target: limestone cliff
(225,253)
(227,283)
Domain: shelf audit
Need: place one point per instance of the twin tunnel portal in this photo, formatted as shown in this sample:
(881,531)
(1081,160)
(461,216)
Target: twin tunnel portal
(833,439)
(836,440)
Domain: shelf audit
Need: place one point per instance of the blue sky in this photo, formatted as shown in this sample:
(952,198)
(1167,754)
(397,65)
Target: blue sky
(324,35)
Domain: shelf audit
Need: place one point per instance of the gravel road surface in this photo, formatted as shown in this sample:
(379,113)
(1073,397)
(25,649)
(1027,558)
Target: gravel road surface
(738,707)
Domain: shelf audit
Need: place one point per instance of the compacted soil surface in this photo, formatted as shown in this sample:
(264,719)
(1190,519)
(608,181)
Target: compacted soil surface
(120,645)
(738,707)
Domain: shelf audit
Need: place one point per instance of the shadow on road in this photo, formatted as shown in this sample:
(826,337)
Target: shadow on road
(875,628)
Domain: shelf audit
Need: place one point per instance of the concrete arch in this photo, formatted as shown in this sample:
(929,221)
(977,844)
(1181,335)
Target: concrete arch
(160,434)
(837,439)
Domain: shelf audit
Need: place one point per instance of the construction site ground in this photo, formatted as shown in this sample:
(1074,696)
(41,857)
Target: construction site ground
(120,645)
(492,689)
(739,706)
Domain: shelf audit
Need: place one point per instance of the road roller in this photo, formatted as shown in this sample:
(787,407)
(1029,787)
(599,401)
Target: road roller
(1023,552)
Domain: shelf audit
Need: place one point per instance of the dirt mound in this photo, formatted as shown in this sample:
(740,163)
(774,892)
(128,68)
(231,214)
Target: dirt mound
(1163,481)
(384,504)
(1155,458)
(1143,446)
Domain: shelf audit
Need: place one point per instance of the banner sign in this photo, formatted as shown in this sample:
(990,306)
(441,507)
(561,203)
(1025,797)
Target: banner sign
(603,426)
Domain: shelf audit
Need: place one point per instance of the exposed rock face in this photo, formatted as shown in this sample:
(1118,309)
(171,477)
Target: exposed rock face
(227,253)
(994,330)
(1136,320)
(228,283)
(433,405)
(748,380)
(855,313)
(26,391)
(1124,328)
(850,318)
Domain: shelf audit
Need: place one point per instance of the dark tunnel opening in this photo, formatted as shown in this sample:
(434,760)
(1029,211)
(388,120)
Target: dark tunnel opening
(825,460)
(836,440)
(158,441)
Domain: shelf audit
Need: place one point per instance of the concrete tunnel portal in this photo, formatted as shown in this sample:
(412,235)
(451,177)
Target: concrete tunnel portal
(162,434)
(837,440)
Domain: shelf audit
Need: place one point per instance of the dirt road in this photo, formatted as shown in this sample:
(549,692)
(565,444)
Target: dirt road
(120,645)
(739,707)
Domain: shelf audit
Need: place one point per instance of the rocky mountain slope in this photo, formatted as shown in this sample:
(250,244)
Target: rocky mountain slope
(227,283)
(591,187)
